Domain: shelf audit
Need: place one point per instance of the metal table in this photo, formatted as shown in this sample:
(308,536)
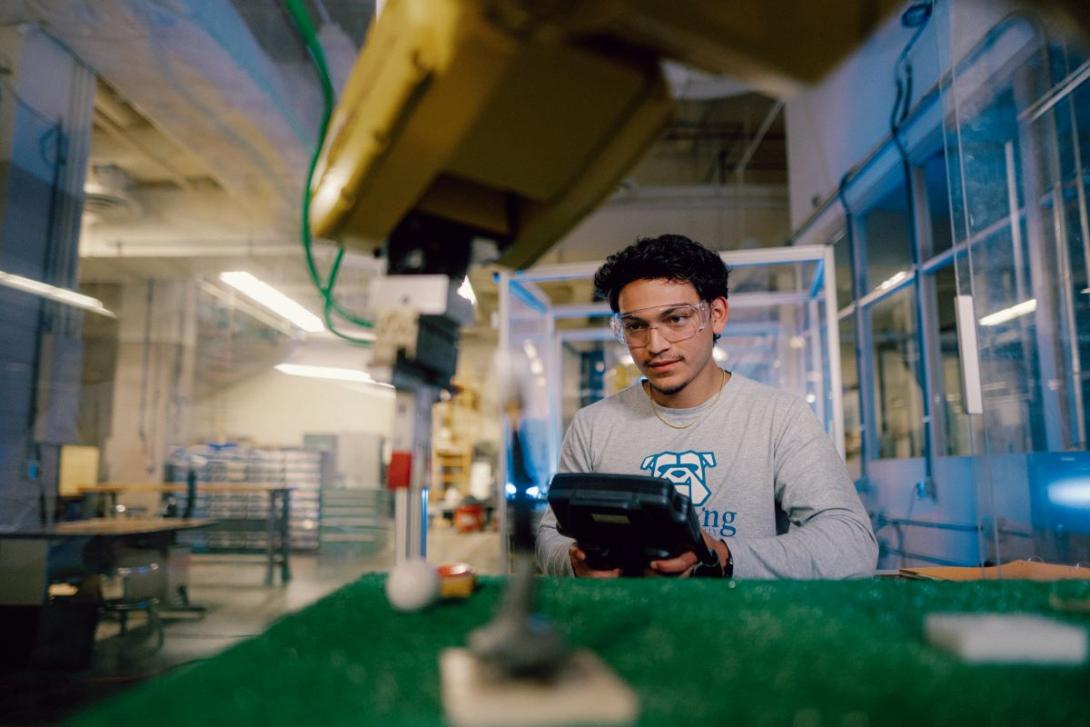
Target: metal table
(277,522)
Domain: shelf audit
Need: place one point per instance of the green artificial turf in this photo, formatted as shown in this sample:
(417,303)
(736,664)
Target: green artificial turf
(697,652)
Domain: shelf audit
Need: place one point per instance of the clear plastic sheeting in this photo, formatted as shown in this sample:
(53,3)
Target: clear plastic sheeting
(204,74)
(779,333)
(1017,136)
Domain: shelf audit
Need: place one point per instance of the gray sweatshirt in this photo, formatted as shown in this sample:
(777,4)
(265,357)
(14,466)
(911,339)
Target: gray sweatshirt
(761,472)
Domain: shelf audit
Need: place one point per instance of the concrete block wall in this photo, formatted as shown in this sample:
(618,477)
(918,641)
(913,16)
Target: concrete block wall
(45,115)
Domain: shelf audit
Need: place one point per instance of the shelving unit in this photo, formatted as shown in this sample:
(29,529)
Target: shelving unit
(456,425)
(450,468)
(355,519)
(248,512)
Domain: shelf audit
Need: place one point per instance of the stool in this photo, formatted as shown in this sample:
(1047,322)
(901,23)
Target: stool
(136,596)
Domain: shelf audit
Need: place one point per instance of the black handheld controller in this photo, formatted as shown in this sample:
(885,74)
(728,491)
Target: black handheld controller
(626,521)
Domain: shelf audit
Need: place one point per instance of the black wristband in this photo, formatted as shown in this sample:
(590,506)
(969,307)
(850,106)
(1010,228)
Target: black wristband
(716,569)
(728,567)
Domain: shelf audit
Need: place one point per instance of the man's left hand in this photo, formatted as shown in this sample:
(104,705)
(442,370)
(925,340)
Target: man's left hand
(682,566)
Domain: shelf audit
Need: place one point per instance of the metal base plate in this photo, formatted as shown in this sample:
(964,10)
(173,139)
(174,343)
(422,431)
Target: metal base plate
(585,692)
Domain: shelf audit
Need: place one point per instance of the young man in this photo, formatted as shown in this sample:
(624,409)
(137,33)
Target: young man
(772,495)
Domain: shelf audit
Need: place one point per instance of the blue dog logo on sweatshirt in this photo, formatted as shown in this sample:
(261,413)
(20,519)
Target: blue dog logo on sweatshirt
(685,469)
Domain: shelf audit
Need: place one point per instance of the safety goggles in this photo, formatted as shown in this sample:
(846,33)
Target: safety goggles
(675,322)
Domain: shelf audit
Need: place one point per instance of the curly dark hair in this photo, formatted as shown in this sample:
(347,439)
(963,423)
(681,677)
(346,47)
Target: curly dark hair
(666,257)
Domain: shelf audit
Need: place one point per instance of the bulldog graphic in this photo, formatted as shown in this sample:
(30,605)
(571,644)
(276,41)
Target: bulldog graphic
(685,469)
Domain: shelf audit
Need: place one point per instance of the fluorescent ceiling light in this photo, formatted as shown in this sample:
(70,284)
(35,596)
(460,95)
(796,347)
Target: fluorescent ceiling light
(466,291)
(893,280)
(331,373)
(52,292)
(274,300)
(1007,314)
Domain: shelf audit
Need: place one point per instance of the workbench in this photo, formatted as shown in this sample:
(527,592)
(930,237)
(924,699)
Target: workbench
(697,652)
(276,523)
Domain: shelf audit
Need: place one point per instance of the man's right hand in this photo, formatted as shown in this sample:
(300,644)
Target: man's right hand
(582,570)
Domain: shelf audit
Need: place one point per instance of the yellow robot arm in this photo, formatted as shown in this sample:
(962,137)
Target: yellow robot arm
(512,119)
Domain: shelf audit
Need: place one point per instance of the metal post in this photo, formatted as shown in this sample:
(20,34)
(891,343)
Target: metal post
(1075,434)
(832,341)
(401,525)
(868,425)
(920,228)
(551,358)
(1049,354)
(814,365)
(270,538)
(927,305)
(504,288)
(400,442)
(285,535)
(410,441)
(1084,233)
(1076,437)
(1018,261)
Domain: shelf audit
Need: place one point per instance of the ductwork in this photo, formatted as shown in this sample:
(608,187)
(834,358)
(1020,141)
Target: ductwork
(690,84)
(195,69)
(107,197)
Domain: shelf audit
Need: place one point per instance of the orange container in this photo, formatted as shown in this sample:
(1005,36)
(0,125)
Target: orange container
(469,518)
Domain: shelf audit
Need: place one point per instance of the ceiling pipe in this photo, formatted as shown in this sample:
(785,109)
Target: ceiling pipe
(116,132)
(107,104)
(759,137)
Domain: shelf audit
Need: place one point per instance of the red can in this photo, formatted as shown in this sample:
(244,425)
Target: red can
(469,518)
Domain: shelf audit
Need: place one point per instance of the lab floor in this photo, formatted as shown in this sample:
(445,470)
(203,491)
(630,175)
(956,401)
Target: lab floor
(239,605)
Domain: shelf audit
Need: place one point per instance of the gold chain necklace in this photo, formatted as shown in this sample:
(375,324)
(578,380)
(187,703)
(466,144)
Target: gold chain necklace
(655,407)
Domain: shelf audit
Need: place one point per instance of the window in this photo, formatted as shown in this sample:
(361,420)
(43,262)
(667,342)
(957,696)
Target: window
(1073,131)
(1004,303)
(843,257)
(887,236)
(938,203)
(949,405)
(897,396)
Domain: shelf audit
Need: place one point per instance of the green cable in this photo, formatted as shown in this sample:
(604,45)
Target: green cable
(306,29)
(303,24)
(327,310)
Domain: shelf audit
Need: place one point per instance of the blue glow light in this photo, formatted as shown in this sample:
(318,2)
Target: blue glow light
(1073,493)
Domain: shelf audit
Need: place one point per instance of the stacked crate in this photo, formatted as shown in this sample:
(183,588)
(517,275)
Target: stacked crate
(355,520)
(245,514)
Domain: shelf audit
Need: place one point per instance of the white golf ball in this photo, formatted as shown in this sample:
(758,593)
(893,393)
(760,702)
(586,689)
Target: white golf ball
(412,585)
